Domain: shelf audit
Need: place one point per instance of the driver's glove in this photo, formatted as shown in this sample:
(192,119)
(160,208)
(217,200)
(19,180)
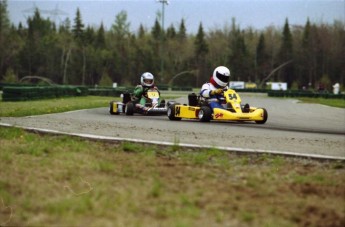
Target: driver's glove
(217,91)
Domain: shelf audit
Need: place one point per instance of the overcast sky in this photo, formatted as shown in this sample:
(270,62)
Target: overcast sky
(258,14)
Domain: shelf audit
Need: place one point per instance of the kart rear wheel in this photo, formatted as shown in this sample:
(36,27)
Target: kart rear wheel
(171,113)
(205,114)
(264,117)
(129,110)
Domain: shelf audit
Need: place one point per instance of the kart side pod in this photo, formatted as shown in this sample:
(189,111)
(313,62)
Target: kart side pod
(116,108)
(204,114)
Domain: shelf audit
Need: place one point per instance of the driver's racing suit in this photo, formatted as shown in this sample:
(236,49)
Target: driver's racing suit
(216,100)
(140,96)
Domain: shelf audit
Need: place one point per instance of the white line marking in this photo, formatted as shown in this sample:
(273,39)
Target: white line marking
(233,149)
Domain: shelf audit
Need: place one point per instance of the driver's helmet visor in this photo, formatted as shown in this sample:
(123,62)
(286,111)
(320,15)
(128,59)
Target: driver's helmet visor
(223,78)
(148,81)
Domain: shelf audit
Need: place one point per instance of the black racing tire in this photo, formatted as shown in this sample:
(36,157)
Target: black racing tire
(171,113)
(265,117)
(129,110)
(169,103)
(205,114)
(111,109)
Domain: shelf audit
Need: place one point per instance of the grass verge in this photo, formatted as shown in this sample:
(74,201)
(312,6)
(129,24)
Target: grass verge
(28,108)
(50,180)
(328,102)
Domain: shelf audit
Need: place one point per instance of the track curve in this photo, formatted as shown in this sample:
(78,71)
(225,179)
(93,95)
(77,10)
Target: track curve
(291,127)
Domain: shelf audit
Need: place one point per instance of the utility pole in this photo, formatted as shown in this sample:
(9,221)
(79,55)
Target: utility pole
(164,2)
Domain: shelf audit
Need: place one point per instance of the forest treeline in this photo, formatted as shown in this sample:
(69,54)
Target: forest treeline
(74,53)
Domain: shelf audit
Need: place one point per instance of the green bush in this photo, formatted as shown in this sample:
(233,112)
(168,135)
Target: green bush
(22,93)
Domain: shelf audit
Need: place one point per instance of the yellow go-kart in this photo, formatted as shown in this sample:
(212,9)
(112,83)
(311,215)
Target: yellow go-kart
(198,108)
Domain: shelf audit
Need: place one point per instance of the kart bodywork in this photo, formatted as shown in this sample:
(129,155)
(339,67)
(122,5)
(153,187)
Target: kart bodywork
(154,105)
(233,110)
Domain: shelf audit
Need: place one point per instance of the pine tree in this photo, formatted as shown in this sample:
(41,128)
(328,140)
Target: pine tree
(89,35)
(4,29)
(182,31)
(201,47)
(261,49)
(238,57)
(65,26)
(141,32)
(286,55)
(100,38)
(306,56)
(38,43)
(4,18)
(200,52)
(80,55)
(78,28)
(262,59)
(286,49)
(156,31)
(171,33)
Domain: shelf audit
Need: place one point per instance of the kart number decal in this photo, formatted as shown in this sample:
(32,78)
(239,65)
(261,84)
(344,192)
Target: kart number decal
(232,96)
(152,94)
(177,111)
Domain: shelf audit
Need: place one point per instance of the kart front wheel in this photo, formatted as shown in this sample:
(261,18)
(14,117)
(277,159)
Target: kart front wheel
(171,113)
(129,110)
(205,114)
(265,116)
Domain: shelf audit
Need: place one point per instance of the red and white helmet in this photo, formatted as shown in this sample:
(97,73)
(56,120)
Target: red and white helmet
(221,76)
(147,79)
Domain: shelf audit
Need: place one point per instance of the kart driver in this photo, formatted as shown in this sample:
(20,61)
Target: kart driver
(212,91)
(140,91)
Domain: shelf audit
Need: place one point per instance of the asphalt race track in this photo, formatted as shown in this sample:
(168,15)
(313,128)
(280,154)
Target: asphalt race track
(292,127)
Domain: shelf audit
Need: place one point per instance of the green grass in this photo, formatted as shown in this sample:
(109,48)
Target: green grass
(329,102)
(27,108)
(54,180)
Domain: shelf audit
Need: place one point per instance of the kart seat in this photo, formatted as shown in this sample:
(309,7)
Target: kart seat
(246,108)
(193,99)
(126,97)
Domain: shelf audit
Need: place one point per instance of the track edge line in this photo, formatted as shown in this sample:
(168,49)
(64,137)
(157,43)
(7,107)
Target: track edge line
(232,149)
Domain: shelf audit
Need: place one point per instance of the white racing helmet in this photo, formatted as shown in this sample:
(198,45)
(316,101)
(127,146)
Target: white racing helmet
(221,76)
(147,79)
